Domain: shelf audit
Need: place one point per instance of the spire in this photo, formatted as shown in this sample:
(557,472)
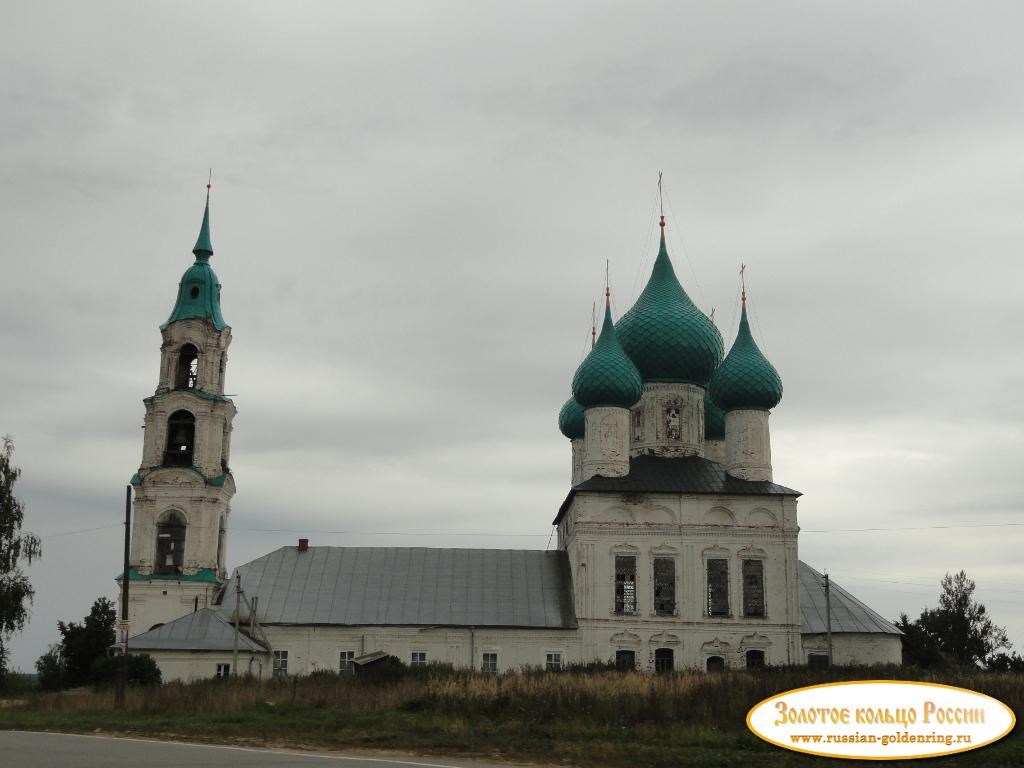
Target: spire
(204,248)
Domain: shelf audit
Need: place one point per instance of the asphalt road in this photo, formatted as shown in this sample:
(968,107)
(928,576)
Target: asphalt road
(22,749)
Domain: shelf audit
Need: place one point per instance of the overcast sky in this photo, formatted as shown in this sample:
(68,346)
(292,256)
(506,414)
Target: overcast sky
(412,208)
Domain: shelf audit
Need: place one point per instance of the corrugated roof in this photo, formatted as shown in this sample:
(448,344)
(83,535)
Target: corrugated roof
(363,586)
(203,630)
(686,474)
(848,613)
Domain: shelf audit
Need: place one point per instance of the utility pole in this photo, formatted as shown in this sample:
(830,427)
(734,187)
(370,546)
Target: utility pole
(238,598)
(119,694)
(828,619)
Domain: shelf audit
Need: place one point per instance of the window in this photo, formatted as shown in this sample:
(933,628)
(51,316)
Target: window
(716,664)
(753,587)
(664,586)
(419,659)
(280,663)
(553,662)
(625,659)
(345,665)
(490,662)
(187,373)
(817,660)
(664,660)
(170,545)
(181,436)
(223,670)
(718,587)
(755,659)
(625,584)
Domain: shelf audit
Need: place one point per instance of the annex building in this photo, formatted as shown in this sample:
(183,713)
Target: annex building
(676,548)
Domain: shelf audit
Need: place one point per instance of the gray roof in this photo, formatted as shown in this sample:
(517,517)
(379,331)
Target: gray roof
(364,586)
(203,630)
(687,474)
(848,613)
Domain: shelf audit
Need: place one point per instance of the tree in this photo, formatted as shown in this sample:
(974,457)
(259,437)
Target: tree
(958,632)
(142,670)
(15,548)
(70,663)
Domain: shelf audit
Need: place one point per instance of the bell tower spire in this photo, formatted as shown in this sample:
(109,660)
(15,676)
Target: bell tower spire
(184,484)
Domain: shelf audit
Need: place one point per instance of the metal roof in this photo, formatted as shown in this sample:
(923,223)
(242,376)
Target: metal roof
(203,630)
(687,474)
(848,613)
(363,586)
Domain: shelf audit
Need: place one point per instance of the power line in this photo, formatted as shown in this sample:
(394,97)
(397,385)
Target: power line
(910,528)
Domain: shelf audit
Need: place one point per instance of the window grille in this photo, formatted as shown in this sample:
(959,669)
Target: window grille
(664,660)
(625,659)
(664,586)
(625,584)
(755,659)
(718,587)
(753,588)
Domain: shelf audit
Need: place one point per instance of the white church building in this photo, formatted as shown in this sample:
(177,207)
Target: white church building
(676,549)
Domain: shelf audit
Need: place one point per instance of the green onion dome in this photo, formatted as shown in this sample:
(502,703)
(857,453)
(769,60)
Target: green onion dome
(570,419)
(745,379)
(668,338)
(714,420)
(199,290)
(607,377)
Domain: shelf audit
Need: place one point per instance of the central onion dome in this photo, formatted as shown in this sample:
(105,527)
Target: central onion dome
(607,377)
(746,379)
(570,419)
(665,335)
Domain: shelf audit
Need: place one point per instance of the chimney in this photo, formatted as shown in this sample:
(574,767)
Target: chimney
(303,545)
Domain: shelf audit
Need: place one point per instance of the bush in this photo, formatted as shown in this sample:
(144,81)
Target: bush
(142,670)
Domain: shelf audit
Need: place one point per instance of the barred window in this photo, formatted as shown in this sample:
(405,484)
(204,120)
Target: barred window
(664,660)
(718,587)
(755,659)
(280,663)
(625,659)
(625,584)
(753,588)
(664,586)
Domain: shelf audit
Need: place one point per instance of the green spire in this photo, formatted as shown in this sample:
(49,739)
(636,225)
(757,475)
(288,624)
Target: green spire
(204,248)
(199,289)
(745,379)
(665,334)
(607,377)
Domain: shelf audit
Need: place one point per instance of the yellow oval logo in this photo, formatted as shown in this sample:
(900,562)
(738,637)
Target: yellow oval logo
(881,720)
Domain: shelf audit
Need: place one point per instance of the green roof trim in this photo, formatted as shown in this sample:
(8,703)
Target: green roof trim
(570,419)
(216,482)
(666,335)
(607,377)
(746,379)
(199,289)
(136,479)
(205,575)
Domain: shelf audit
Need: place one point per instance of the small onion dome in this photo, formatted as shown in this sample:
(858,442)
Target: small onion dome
(668,338)
(745,379)
(714,420)
(607,377)
(570,419)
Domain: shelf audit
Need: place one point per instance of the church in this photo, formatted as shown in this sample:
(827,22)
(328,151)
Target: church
(676,549)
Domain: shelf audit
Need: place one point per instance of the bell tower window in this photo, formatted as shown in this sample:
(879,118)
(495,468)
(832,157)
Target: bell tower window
(181,436)
(187,373)
(170,544)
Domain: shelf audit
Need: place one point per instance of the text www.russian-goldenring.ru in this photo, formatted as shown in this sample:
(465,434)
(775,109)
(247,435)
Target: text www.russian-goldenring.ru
(884,740)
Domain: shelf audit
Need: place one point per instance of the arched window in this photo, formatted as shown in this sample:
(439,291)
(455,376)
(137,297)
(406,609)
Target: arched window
(755,658)
(181,437)
(170,544)
(187,373)
(716,664)
(664,660)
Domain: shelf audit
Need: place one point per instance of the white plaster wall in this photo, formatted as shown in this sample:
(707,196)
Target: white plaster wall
(748,445)
(606,442)
(211,344)
(577,461)
(856,648)
(157,602)
(715,450)
(186,666)
(668,421)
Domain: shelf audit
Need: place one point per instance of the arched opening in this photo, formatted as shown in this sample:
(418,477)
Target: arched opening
(664,660)
(170,544)
(181,436)
(755,659)
(716,664)
(187,373)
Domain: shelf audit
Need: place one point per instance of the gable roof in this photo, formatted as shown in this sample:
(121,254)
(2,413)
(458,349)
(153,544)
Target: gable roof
(203,630)
(848,613)
(685,474)
(361,586)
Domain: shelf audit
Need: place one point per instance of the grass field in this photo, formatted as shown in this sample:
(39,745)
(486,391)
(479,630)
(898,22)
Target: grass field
(596,718)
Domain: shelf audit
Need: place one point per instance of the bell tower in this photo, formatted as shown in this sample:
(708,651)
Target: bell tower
(184,485)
